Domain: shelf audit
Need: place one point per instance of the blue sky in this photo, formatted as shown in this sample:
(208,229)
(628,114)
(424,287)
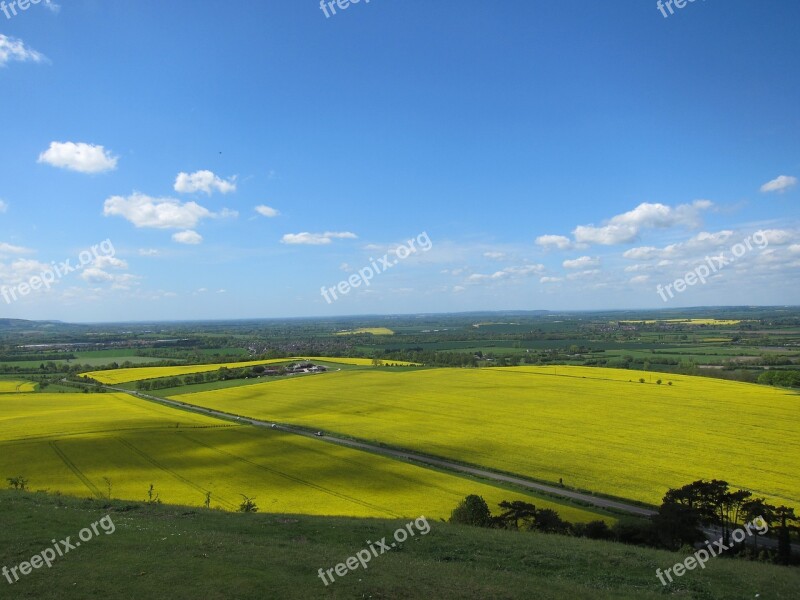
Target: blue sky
(557,155)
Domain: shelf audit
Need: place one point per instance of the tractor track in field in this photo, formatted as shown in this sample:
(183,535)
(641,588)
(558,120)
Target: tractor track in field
(299,480)
(169,471)
(75,470)
(409,456)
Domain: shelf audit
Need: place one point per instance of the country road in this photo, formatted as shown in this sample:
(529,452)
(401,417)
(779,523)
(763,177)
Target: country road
(405,455)
(632,509)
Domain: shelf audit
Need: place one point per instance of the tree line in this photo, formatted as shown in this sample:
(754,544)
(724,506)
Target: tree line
(685,517)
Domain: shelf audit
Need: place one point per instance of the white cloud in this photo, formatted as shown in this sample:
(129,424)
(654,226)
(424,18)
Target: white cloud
(494,255)
(558,242)
(96,272)
(626,227)
(187,237)
(125,281)
(316,239)
(226,213)
(640,279)
(267,211)
(12,49)
(455,272)
(584,274)
(780,184)
(104,262)
(794,248)
(21,269)
(346,268)
(507,273)
(702,242)
(642,253)
(524,270)
(550,279)
(6,249)
(457,289)
(95,275)
(775,237)
(478,277)
(581,263)
(203,181)
(148,252)
(3,206)
(704,239)
(80,157)
(157,213)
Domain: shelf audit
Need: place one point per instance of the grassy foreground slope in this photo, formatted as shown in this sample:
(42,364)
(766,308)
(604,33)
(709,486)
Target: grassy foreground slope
(595,428)
(183,553)
(74,443)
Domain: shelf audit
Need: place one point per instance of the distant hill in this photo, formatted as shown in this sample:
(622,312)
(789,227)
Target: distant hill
(23,324)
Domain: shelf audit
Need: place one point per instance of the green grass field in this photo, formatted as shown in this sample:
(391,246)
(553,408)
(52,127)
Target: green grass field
(93,358)
(598,429)
(187,553)
(71,443)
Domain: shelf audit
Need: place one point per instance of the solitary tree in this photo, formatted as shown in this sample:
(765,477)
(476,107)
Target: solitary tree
(516,511)
(472,510)
(548,521)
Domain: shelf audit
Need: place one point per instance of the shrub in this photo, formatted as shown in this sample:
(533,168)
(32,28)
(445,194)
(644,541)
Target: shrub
(248,505)
(472,510)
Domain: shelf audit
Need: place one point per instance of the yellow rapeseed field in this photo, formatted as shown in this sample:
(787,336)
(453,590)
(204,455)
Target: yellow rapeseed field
(362,362)
(72,443)
(8,385)
(598,429)
(688,321)
(117,376)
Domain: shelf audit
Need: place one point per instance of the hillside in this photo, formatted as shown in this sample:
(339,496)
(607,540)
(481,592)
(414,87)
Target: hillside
(196,553)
